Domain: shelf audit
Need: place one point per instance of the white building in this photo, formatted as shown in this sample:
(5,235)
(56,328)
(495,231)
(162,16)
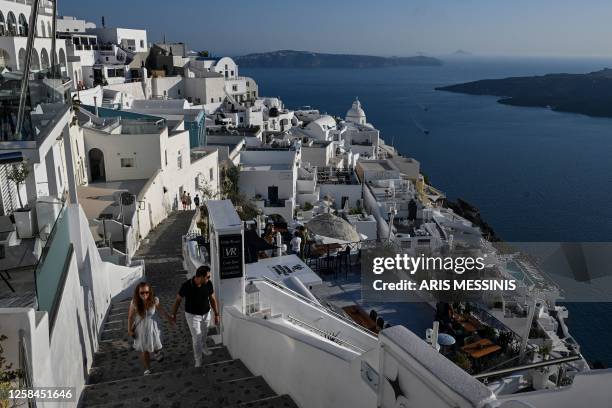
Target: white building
(269,178)
(14,20)
(129,39)
(69,24)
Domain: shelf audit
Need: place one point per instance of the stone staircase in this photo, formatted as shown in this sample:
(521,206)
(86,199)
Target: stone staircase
(116,377)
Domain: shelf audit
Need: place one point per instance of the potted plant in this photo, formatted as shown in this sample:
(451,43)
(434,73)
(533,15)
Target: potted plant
(463,361)
(24,222)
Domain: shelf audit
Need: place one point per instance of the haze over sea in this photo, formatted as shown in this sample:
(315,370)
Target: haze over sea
(535,174)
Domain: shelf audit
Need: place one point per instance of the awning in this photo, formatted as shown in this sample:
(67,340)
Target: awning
(11,157)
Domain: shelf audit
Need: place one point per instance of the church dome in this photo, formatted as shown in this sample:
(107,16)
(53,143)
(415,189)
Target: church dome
(356,114)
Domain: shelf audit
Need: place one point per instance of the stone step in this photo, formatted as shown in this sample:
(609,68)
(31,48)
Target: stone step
(122,349)
(116,378)
(279,401)
(167,382)
(193,393)
(182,357)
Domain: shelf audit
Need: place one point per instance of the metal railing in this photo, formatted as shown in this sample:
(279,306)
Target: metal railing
(539,364)
(60,290)
(317,305)
(333,337)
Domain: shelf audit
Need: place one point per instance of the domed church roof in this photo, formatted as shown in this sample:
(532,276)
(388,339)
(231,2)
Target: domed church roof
(356,114)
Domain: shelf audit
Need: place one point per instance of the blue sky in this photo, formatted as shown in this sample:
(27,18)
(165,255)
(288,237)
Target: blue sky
(382,27)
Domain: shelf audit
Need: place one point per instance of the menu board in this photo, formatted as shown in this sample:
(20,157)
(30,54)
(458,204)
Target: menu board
(230,256)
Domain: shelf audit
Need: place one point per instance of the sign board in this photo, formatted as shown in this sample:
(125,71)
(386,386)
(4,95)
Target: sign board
(230,256)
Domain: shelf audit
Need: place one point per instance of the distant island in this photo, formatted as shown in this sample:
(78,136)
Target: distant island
(588,94)
(306,59)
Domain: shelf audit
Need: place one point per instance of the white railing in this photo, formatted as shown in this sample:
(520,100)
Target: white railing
(317,305)
(329,335)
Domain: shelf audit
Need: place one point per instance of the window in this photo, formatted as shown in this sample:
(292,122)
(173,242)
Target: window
(127,162)
(212,100)
(179,160)
(211,174)
(235,88)
(219,99)
(179,91)
(166,156)
(241,119)
(232,73)
(141,43)
(196,184)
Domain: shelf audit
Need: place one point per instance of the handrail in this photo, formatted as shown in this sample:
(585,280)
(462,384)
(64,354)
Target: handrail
(45,249)
(25,380)
(317,305)
(60,292)
(328,335)
(544,363)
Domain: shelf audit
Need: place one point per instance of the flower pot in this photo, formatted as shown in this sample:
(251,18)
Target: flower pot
(24,223)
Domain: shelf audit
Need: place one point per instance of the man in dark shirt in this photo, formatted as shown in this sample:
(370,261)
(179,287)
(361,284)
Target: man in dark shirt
(199,298)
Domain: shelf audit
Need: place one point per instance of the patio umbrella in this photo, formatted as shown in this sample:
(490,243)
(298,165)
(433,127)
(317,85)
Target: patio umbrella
(336,228)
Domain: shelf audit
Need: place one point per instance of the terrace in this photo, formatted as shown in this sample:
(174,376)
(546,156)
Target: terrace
(331,175)
(44,102)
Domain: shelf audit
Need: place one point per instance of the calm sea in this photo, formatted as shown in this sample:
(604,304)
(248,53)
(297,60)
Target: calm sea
(535,174)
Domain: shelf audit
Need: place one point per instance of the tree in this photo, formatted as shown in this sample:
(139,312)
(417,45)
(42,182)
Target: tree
(8,375)
(229,190)
(229,182)
(206,189)
(18,175)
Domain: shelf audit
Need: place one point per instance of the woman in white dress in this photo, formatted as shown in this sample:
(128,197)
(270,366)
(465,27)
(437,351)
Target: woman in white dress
(143,327)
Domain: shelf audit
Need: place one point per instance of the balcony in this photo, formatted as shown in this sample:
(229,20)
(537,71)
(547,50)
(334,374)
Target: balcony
(45,103)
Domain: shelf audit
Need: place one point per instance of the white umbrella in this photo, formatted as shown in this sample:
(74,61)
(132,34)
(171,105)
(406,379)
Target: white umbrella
(332,227)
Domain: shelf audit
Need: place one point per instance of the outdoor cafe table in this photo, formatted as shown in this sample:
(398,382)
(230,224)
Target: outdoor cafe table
(481,348)
(360,317)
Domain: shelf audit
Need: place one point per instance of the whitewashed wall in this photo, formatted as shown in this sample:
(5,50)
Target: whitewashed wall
(64,356)
(314,372)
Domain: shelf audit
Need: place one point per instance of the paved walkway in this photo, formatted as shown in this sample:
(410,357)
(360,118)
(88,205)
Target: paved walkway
(116,379)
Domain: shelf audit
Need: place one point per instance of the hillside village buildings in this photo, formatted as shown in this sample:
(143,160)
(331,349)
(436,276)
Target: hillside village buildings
(94,167)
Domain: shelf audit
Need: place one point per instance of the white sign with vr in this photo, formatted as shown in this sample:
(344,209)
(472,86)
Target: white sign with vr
(226,253)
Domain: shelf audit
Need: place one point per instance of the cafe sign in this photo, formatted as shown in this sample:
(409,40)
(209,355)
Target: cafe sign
(230,256)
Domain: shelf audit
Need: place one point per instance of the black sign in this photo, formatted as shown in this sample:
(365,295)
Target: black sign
(230,256)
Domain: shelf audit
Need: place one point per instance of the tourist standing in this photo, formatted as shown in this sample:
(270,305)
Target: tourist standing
(196,201)
(296,243)
(189,200)
(199,298)
(184,200)
(143,327)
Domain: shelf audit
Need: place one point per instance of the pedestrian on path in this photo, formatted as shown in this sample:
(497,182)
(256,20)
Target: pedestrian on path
(196,201)
(189,200)
(184,200)
(199,298)
(143,327)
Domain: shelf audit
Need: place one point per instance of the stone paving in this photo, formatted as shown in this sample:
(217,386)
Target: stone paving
(116,377)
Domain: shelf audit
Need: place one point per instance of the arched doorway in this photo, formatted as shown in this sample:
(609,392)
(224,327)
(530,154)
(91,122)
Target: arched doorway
(96,165)
(62,58)
(22,58)
(22,26)
(35,62)
(5,58)
(44,59)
